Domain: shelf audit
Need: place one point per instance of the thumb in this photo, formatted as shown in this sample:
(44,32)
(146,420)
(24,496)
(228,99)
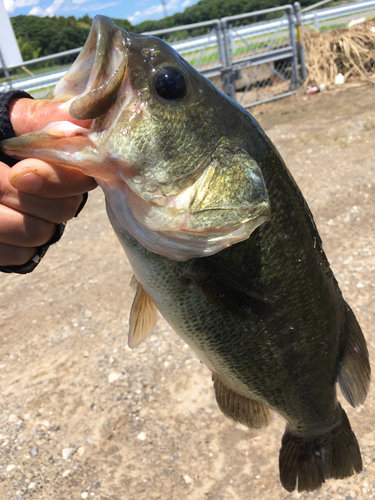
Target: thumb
(28,115)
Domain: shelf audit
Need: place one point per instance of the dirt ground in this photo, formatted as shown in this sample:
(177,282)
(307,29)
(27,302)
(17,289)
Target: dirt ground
(83,416)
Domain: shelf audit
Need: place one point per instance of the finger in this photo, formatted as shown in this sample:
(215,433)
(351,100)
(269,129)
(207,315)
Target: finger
(50,209)
(28,115)
(11,255)
(49,181)
(24,230)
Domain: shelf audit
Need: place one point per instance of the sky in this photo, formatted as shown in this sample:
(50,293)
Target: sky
(135,11)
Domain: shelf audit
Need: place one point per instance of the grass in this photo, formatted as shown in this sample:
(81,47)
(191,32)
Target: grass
(331,27)
(240,50)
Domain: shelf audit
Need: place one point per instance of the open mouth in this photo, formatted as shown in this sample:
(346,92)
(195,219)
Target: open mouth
(223,197)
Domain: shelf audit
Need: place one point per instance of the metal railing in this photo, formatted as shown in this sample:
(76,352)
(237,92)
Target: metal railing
(336,12)
(243,60)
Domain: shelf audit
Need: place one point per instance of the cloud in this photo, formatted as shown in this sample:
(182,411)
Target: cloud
(76,6)
(100,6)
(171,6)
(49,11)
(12,5)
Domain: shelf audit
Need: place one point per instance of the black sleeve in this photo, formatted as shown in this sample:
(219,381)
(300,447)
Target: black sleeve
(6,129)
(6,132)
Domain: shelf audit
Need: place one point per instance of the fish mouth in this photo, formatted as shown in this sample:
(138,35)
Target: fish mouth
(216,203)
(92,82)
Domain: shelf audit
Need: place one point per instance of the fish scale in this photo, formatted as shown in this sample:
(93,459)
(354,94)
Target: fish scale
(218,336)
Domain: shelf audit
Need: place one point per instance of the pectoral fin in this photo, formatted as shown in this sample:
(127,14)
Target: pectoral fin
(244,410)
(221,286)
(143,316)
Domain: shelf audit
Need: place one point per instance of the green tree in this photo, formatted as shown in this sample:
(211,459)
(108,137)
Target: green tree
(28,51)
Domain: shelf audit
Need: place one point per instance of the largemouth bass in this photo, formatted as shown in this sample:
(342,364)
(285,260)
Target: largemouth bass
(221,242)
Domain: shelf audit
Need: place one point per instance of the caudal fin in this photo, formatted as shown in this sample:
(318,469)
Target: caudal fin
(307,463)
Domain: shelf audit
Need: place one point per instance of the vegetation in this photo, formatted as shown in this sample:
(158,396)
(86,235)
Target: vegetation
(41,36)
(205,10)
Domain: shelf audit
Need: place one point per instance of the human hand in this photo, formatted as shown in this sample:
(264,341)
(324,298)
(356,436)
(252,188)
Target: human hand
(35,195)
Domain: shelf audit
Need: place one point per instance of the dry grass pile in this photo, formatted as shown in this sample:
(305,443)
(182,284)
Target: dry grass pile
(350,51)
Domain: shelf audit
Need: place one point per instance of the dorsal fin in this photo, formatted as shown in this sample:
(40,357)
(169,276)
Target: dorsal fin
(143,316)
(354,373)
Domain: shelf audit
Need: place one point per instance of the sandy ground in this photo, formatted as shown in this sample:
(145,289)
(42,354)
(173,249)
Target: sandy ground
(83,416)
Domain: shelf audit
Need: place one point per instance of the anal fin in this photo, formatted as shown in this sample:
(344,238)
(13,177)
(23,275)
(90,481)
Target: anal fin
(143,316)
(244,410)
(354,374)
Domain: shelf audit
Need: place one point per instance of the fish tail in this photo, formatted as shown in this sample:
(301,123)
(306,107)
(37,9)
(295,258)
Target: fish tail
(306,463)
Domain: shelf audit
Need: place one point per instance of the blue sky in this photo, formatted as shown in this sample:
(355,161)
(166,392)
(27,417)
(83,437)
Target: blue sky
(136,11)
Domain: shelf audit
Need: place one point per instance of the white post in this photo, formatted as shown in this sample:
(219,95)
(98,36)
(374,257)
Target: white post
(316,21)
(11,55)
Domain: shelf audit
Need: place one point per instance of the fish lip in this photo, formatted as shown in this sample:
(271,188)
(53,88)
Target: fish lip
(92,82)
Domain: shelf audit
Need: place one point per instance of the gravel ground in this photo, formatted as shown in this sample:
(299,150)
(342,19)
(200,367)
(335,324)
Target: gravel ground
(83,416)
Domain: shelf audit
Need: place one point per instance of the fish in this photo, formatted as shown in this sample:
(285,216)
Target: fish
(221,241)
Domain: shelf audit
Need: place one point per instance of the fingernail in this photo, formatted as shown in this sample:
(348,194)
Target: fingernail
(29,183)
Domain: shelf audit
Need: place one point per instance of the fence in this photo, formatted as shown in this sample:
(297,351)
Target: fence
(251,59)
(263,66)
(201,44)
(251,63)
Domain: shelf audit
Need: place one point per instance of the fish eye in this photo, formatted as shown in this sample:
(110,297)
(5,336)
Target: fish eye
(170,83)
